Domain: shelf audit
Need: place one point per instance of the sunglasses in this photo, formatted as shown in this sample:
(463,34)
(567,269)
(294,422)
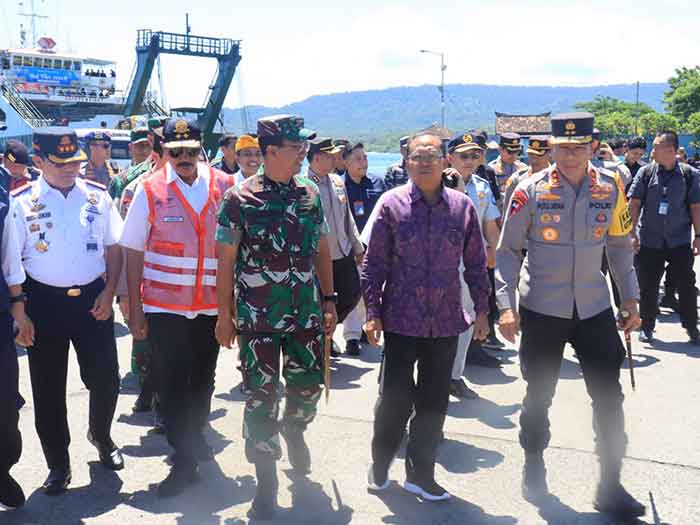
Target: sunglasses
(104,145)
(469,156)
(178,152)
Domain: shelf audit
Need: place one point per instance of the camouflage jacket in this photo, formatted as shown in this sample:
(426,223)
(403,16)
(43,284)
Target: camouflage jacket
(396,175)
(277,228)
(121,181)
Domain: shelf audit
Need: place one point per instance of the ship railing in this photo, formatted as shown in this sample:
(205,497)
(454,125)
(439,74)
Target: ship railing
(22,106)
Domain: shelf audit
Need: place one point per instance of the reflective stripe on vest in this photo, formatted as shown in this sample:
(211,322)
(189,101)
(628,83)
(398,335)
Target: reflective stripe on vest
(180,257)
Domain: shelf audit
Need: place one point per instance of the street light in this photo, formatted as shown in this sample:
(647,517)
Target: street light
(443,67)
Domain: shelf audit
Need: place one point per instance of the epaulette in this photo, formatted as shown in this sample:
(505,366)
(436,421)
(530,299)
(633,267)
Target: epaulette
(22,189)
(303,180)
(95,184)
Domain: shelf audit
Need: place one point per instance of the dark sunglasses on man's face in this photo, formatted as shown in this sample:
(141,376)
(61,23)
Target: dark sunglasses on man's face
(469,156)
(178,152)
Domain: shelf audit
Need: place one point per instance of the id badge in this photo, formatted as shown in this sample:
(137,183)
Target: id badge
(359,207)
(663,208)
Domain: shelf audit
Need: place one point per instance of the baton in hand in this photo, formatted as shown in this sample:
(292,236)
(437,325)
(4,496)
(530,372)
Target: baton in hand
(628,343)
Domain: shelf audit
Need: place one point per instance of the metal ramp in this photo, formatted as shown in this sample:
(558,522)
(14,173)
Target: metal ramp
(23,107)
(150,44)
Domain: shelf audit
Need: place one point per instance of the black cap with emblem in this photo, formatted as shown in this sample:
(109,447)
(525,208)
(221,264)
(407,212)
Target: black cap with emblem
(510,141)
(59,144)
(538,145)
(466,141)
(572,128)
(182,133)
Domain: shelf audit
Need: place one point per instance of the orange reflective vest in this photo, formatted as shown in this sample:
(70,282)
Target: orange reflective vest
(180,258)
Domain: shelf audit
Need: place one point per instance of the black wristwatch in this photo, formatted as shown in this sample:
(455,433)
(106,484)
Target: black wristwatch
(18,298)
(333,298)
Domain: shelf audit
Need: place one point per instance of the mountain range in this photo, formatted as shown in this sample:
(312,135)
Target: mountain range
(378,115)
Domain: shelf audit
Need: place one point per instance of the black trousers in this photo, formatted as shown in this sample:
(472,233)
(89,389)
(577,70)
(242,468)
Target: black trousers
(600,353)
(401,395)
(347,285)
(60,320)
(185,352)
(493,307)
(10,399)
(650,268)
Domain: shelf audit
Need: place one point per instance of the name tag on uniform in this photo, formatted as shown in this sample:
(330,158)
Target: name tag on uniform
(91,246)
(663,208)
(174,218)
(359,207)
(93,209)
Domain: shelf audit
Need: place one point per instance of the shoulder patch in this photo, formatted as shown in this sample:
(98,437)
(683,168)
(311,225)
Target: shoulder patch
(517,202)
(95,184)
(22,189)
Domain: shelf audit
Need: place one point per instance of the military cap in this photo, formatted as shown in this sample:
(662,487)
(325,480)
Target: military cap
(341,144)
(323,144)
(182,133)
(17,152)
(572,128)
(538,145)
(98,136)
(246,141)
(466,141)
(139,135)
(403,141)
(58,144)
(290,127)
(510,141)
(227,138)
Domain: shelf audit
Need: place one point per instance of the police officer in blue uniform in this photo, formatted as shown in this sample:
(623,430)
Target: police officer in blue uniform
(11,306)
(67,230)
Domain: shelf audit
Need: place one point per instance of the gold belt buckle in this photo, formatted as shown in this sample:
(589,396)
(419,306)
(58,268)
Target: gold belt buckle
(74,292)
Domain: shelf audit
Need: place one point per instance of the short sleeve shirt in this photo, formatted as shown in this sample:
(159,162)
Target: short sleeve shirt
(277,228)
(479,191)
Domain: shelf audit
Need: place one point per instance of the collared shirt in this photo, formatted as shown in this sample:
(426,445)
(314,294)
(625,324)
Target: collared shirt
(137,227)
(565,231)
(396,175)
(410,273)
(62,238)
(487,173)
(674,228)
(343,237)
(101,174)
(479,191)
(277,228)
(504,171)
(221,165)
(634,168)
(12,268)
(363,196)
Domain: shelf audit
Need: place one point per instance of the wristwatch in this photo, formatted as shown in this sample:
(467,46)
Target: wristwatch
(333,298)
(22,297)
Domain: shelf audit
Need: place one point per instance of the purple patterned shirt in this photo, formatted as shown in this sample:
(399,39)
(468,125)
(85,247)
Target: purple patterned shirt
(410,275)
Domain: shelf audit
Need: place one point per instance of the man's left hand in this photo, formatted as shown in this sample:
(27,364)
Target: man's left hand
(481,327)
(359,258)
(632,321)
(330,318)
(102,309)
(696,247)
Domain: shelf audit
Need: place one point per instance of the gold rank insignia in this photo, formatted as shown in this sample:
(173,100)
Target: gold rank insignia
(467,138)
(570,128)
(37,207)
(92,199)
(535,144)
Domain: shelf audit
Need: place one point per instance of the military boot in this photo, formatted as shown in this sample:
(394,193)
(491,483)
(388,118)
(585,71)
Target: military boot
(264,504)
(611,496)
(534,485)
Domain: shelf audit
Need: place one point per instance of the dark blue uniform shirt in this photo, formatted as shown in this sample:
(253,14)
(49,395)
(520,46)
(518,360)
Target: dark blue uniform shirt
(363,196)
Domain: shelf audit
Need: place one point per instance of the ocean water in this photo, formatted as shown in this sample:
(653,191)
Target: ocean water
(379,162)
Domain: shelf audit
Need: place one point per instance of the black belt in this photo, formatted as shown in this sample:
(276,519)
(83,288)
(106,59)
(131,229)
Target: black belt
(69,291)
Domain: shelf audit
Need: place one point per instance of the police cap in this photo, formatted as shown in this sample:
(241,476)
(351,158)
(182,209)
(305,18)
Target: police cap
(59,144)
(17,152)
(182,133)
(572,128)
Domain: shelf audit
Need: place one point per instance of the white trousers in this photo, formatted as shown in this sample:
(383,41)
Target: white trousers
(352,326)
(465,338)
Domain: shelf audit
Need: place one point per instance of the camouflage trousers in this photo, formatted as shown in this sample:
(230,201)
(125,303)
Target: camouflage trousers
(302,369)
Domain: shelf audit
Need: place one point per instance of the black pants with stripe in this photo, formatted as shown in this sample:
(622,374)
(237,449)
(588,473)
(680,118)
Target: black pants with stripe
(10,399)
(60,320)
(347,283)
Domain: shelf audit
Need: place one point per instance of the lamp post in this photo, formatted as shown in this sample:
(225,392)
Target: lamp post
(443,67)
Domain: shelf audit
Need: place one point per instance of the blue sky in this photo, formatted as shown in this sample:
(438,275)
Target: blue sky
(295,50)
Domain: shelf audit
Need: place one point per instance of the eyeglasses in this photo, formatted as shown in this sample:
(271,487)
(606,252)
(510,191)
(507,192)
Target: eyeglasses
(300,148)
(424,158)
(178,152)
(469,156)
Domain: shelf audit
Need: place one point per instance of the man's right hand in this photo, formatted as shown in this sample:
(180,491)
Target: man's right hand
(509,324)
(138,324)
(225,331)
(373,328)
(635,244)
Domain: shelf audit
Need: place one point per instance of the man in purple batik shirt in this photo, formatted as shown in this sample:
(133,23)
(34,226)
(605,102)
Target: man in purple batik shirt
(410,283)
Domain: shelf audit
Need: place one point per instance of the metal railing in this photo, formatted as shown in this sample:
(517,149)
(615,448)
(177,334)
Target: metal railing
(184,43)
(22,106)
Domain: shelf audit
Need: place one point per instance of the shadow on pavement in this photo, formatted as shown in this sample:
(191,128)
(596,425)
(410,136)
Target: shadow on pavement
(200,504)
(462,458)
(674,347)
(554,512)
(406,509)
(479,375)
(484,410)
(344,375)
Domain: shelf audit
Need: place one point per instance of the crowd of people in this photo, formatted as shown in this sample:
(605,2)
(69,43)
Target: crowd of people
(249,252)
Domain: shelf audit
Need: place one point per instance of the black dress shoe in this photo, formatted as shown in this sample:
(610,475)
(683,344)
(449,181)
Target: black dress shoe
(180,477)
(615,500)
(298,452)
(352,347)
(11,494)
(110,456)
(459,389)
(58,481)
(669,301)
(143,403)
(646,336)
(492,341)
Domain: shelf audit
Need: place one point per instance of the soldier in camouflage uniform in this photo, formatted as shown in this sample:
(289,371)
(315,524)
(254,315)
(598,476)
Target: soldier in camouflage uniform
(272,229)
(396,174)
